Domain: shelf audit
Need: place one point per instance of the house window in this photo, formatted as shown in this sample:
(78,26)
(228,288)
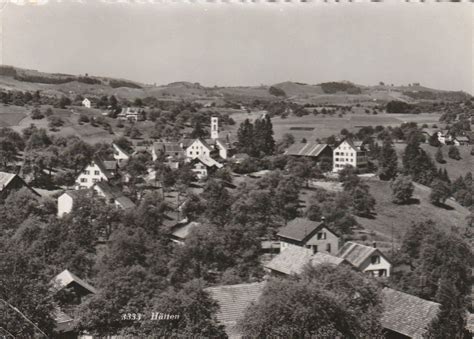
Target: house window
(375,259)
(94,180)
(382,273)
(96,173)
(83,179)
(87,172)
(315,248)
(321,235)
(328,248)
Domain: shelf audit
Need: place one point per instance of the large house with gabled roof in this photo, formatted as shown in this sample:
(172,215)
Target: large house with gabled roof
(310,150)
(97,170)
(366,259)
(350,153)
(314,235)
(12,182)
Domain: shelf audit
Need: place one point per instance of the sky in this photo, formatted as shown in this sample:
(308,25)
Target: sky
(232,44)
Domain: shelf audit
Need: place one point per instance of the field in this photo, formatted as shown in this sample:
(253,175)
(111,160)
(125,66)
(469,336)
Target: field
(326,126)
(11,115)
(455,168)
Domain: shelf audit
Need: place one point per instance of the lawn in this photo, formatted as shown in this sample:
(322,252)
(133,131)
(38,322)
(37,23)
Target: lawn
(395,219)
(12,115)
(326,126)
(455,168)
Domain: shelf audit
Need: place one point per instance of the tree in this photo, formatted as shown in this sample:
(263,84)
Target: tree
(417,163)
(433,140)
(36,114)
(278,92)
(439,156)
(402,189)
(325,302)
(453,153)
(198,131)
(440,191)
(388,161)
(362,201)
(245,137)
(195,311)
(63,102)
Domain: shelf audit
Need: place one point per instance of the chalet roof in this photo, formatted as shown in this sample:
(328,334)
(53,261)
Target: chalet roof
(65,278)
(357,145)
(208,162)
(293,259)
(299,229)
(5,179)
(407,314)
(125,202)
(356,253)
(233,300)
(182,231)
(309,149)
(110,165)
(462,138)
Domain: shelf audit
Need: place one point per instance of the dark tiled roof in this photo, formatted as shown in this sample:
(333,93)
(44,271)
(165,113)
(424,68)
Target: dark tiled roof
(233,300)
(407,314)
(309,149)
(103,168)
(293,259)
(113,193)
(356,253)
(167,147)
(299,229)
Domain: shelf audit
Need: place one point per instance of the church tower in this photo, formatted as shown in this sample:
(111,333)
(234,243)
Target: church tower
(214,128)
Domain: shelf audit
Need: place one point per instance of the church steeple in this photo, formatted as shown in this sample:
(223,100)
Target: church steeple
(214,128)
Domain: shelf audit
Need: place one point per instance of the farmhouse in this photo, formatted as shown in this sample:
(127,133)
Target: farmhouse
(349,153)
(86,103)
(302,232)
(460,141)
(233,300)
(171,150)
(132,114)
(366,259)
(311,150)
(97,170)
(12,182)
(293,260)
(197,147)
(120,155)
(203,166)
(406,316)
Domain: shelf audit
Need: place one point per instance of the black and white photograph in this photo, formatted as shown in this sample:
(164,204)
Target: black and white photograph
(236,169)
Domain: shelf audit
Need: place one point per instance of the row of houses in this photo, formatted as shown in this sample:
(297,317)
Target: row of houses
(348,152)
(446,138)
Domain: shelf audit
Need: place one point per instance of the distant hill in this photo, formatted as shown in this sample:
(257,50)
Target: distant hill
(339,92)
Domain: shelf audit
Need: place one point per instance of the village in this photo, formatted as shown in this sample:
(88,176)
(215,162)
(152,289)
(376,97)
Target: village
(179,178)
(236,169)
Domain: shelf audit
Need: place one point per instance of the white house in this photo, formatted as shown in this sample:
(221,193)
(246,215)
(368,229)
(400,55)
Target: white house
(66,202)
(366,259)
(120,154)
(349,153)
(129,113)
(316,236)
(198,147)
(94,172)
(86,103)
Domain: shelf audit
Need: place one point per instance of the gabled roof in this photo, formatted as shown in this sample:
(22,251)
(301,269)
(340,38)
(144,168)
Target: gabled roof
(300,229)
(189,142)
(65,278)
(309,149)
(233,300)
(208,162)
(293,259)
(5,179)
(74,193)
(182,231)
(357,145)
(407,314)
(356,253)
(462,138)
(103,168)
(120,149)
(125,202)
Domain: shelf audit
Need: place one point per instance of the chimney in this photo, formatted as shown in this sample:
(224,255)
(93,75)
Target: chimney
(323,219)
(374,244)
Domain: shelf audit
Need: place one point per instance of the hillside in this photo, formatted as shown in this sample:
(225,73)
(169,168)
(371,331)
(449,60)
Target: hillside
(390,217)
(343,92)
